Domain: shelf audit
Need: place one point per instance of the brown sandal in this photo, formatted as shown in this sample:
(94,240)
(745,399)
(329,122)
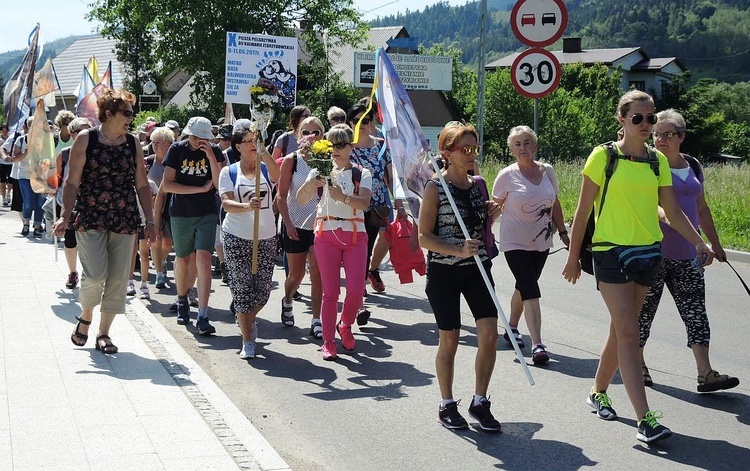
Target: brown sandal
(106,346)
(714,381)
(79,339)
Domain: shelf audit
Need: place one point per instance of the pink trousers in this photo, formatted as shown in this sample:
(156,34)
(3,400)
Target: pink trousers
(331,249)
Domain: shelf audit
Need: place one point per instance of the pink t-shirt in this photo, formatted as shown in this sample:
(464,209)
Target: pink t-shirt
(526,222)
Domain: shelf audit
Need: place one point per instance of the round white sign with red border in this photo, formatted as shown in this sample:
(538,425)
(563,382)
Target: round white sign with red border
(539,23)
(535,73)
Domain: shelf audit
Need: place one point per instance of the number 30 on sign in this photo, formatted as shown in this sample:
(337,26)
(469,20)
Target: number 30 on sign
(536,73)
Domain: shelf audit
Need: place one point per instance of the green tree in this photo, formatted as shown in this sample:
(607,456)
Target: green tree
(191,34)
(131,24)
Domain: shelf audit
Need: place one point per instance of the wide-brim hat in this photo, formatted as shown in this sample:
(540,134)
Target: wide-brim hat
(199,127)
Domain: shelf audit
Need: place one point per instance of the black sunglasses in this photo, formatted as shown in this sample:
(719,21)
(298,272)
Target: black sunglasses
(638,118)
(341,145)
(315,132)
(127,113)
(338,119)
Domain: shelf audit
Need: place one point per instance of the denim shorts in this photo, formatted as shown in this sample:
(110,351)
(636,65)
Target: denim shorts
(607,268)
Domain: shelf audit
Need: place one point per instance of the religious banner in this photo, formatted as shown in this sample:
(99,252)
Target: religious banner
(251,57)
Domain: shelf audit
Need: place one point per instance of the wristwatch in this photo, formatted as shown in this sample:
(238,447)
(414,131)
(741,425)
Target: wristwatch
(347,199)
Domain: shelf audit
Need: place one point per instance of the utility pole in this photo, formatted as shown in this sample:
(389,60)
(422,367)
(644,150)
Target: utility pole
(480,74)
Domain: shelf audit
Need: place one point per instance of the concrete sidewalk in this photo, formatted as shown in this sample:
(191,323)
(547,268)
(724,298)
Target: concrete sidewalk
(149,407)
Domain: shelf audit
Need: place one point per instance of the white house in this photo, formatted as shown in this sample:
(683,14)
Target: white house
(638,69)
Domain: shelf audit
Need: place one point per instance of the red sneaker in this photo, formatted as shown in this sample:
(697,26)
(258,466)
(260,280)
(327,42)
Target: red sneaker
(347,339)
(329,350)
(377,284)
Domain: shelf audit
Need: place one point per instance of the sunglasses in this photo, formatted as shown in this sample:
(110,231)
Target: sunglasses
(338,119)
(127,113)
(315,133)
(665,135)
(638,118)
(364,121)
(342,145)
(466,149)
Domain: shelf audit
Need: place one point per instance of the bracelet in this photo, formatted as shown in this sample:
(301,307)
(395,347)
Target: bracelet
(150,222)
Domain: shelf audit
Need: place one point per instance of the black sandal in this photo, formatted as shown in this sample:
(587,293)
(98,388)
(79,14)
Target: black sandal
(647,381)
(287,319)
(79,339)
(108,347)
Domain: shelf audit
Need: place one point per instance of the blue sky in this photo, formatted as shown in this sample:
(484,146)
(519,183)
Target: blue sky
(69,20)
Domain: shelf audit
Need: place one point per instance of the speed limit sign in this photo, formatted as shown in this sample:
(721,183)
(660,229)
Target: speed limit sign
(535,73)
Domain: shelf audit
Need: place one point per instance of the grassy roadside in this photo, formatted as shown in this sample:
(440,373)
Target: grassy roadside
(727,193)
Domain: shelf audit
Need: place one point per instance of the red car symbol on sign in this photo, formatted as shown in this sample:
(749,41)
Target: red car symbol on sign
(528,19)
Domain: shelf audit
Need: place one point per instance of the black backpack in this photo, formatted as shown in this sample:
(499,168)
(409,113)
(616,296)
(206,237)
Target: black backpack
(585,257)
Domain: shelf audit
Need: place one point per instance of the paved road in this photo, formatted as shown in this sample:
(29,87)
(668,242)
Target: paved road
(376,408)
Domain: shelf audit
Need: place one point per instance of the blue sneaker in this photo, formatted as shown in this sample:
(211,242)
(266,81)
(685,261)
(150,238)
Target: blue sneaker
(204,328)
(183,313)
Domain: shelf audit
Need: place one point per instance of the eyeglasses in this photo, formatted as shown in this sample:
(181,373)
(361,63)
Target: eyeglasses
(364,121)
(127,113)
(247,141)
(342,145)
(337,119)
(638,118)
(665,135)
(315,132)
(466,149)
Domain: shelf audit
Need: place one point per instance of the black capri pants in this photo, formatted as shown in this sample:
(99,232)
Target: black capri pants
(446,284)
(527,266)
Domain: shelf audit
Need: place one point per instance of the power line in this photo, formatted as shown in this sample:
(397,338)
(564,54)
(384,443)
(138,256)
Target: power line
(381,6)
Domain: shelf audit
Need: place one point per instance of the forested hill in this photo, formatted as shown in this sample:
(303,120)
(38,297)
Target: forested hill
(710,37)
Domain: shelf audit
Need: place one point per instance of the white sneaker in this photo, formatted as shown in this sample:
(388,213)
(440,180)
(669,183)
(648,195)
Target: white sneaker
(144,292)
(131,288)
(248,350)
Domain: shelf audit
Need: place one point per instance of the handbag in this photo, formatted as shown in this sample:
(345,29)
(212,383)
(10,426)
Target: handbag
(639,258)
(487,236)
(379,216)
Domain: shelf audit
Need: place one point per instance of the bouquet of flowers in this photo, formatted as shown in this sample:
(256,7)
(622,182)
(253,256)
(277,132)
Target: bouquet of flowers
(319,154)
(263,98)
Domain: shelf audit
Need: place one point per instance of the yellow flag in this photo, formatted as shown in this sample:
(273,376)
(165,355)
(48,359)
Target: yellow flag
(93,68)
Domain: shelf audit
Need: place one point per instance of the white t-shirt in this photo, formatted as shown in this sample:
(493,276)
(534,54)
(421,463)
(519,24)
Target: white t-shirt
(329,208)
(7,149)
(154,189)
(526,221)
(20,170)
(242,224)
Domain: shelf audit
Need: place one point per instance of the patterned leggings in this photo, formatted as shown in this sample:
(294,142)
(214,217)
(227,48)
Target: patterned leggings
(685,283)
(249,290)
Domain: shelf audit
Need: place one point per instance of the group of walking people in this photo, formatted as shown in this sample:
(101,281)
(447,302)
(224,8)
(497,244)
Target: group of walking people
(646,236)
(327,222)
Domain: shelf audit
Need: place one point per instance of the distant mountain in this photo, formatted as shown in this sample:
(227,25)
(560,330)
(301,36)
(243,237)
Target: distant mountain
(9,61)
(708,36)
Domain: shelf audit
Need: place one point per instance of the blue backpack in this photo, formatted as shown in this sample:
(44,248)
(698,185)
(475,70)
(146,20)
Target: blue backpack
(233,172)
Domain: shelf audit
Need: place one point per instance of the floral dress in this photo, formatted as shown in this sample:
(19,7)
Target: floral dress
(106,196)
(369,158)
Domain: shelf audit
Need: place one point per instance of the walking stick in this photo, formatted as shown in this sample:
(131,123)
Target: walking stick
(256,218)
